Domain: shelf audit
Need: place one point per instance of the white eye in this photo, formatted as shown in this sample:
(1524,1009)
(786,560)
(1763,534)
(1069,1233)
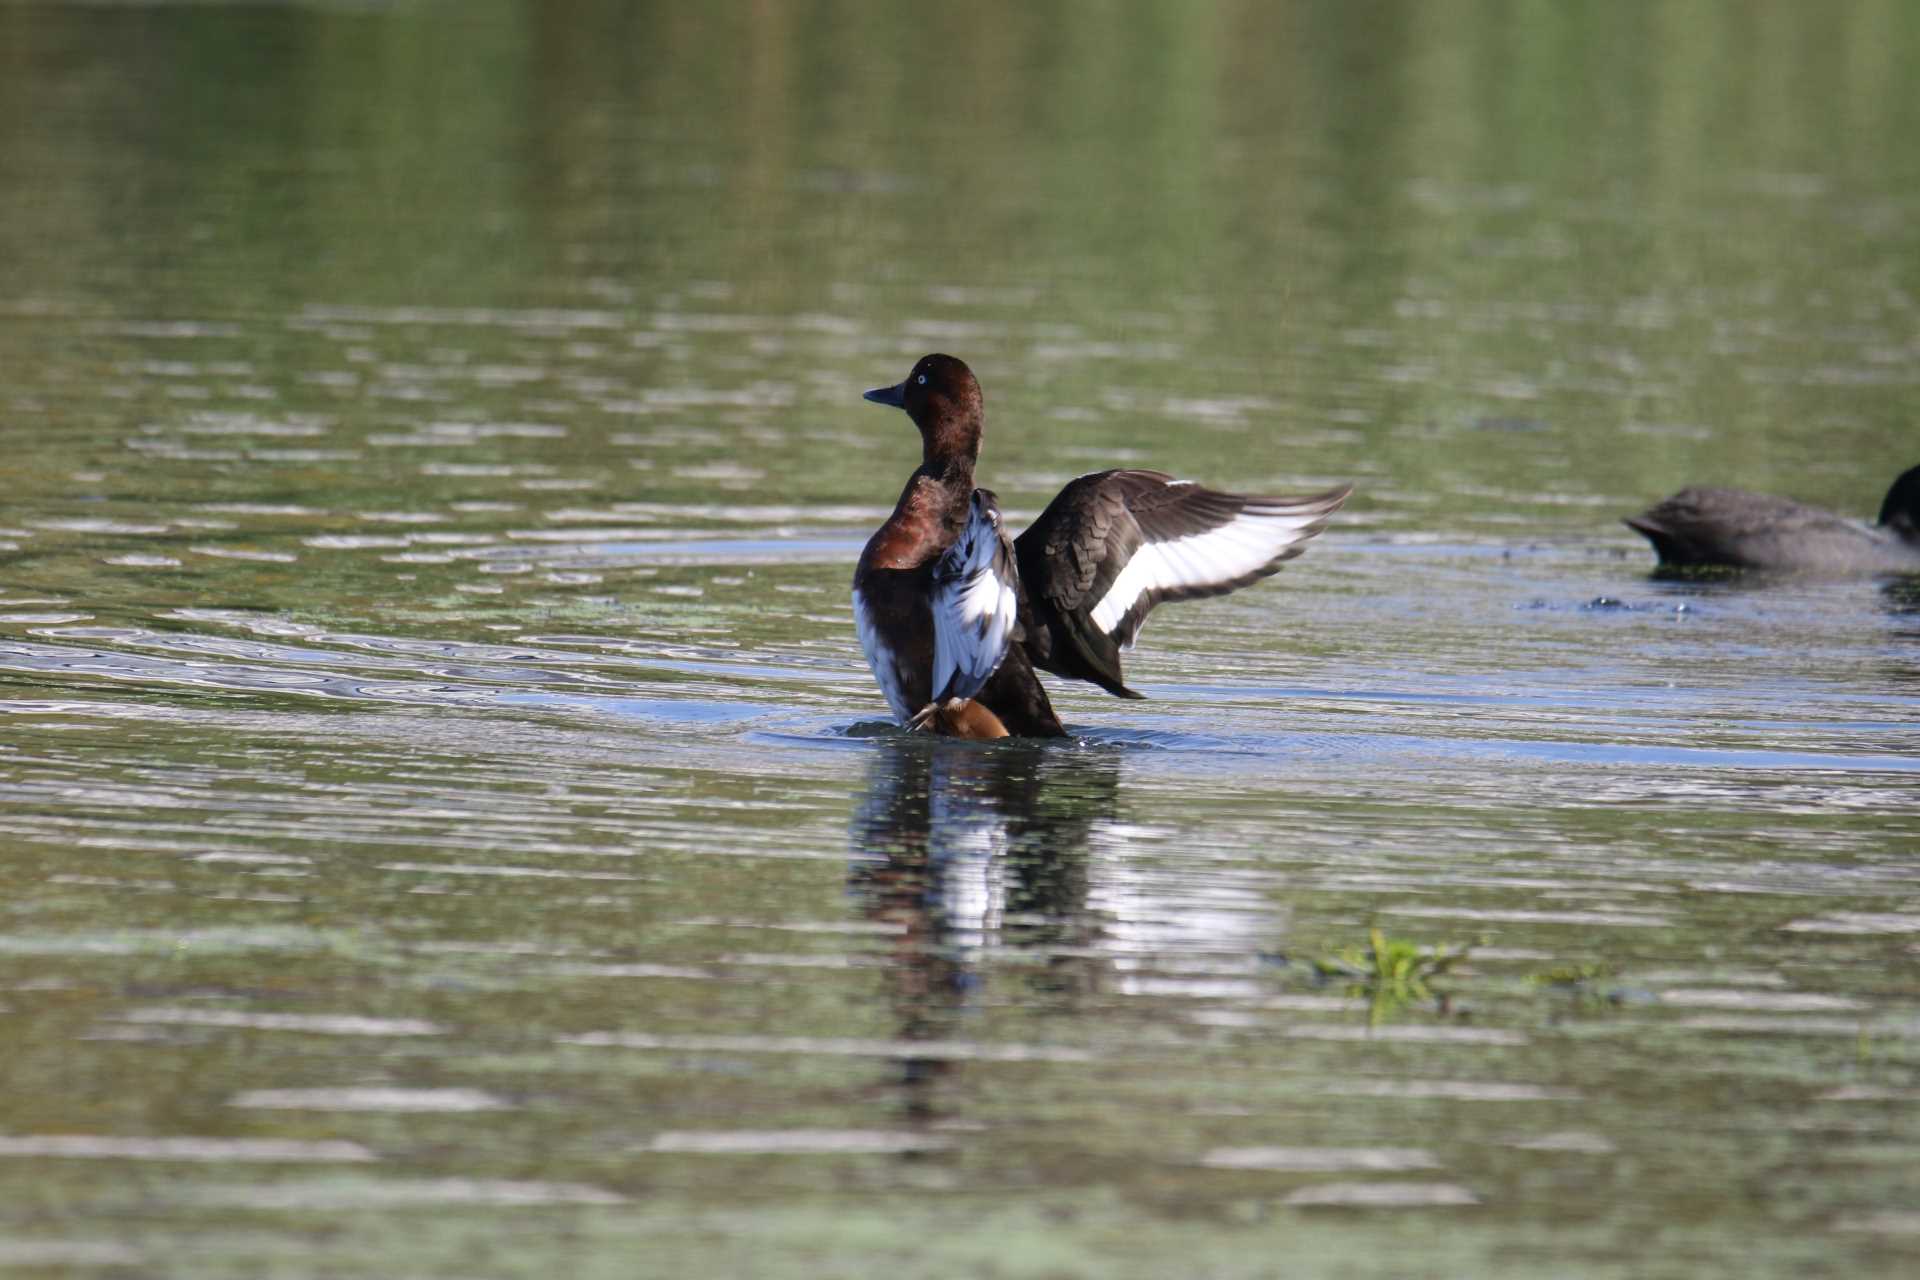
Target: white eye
(922,379)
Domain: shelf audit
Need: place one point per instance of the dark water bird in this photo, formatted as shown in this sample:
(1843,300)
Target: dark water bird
(1737,529)
(955,616)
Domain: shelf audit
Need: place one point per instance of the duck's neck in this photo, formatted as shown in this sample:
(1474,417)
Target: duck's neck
(954,471)
(950,443)
(943,488)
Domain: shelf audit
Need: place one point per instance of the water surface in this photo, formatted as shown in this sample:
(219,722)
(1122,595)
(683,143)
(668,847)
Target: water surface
(446,828)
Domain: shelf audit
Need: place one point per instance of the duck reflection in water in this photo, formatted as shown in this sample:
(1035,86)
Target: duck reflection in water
(966,849)
(1900,600)
(1900,597)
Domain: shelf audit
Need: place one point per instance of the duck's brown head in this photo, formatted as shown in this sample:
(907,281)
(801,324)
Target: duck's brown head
(943,398)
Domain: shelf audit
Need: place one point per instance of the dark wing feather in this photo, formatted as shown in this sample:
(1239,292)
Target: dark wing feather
(1114,544)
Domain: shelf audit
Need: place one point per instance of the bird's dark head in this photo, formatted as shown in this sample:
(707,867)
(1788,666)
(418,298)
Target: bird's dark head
(943,398)
(1900,513)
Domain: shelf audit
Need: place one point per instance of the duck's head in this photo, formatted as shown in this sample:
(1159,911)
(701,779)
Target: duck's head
(1900,513)
(943,398)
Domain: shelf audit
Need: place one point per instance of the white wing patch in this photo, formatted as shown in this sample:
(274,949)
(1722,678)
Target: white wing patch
(1244,545)
(880,658)
(973,607)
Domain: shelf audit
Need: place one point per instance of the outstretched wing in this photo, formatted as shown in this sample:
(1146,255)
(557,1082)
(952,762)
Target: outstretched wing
(976,598)
(1114,544)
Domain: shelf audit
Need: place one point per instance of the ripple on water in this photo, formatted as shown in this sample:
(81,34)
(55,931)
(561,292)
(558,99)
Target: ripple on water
(324,1024)
(796,1142)
(1449,1090)
(201,941)
(18,1252)
(955,1050)
(428,1101)
(1856,922)
(1382,1195)
(184,1149)
(399,1195)
(1321,1159)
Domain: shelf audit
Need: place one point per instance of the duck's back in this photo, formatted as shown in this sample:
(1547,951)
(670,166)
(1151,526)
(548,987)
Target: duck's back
(1732,527)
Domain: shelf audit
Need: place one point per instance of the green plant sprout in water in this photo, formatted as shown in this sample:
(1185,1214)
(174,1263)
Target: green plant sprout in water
(1390,972)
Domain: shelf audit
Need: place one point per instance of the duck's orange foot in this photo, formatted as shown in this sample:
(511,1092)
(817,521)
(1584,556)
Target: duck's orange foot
(959,718)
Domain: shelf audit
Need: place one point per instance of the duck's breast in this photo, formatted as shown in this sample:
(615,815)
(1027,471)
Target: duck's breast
(895,623)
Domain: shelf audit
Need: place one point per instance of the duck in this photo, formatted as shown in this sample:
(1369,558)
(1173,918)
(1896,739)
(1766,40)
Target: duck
(1733,528)
(955,616)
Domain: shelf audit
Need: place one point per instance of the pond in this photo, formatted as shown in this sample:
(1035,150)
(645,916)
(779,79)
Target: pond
(447,828)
